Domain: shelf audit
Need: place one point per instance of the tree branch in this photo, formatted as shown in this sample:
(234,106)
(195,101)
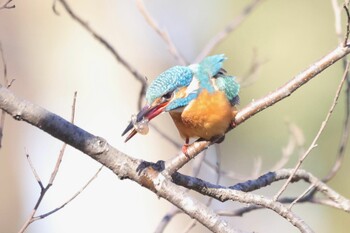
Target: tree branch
(346,126)
(7,5)
(107,45)
(314,142)
(261,104)
(224,194)
(125,167)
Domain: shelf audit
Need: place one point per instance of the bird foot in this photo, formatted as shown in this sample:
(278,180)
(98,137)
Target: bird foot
(218,139)
(184,150)
(158,166)
(233,124)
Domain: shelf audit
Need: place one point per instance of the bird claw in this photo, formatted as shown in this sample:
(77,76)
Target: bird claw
(158,166)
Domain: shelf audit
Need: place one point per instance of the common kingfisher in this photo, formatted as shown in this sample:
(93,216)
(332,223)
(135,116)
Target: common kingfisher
(200,98)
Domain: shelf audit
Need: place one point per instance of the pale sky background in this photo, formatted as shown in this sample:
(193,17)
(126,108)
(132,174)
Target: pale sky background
(51,57)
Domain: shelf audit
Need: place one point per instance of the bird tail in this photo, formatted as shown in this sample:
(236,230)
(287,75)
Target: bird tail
(212,64)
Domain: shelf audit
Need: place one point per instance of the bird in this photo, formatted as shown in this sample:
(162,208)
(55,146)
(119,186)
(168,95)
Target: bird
(201,99)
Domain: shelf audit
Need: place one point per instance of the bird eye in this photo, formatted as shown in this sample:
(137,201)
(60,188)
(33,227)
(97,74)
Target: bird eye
(167,96)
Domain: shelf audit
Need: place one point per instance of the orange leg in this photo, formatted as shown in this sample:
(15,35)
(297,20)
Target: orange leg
(233,124)
(185,146)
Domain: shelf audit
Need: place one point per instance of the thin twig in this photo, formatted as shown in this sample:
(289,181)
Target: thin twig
(346,128)
(296,140)
(166,137)
(236,176)
(337,19)
(320,131)
(31,217)
(54,8)
(162,33)
(303,194)
(35,173)
(166,219)
(286,200)
(6,5)
(60,156)
(70,199)
(347,25)
(252,74)
(218,38)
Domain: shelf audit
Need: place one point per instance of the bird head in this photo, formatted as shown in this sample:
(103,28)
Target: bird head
(160,95)
(175,88)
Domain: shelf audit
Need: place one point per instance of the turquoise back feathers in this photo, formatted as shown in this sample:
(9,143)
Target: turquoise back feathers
(207,75)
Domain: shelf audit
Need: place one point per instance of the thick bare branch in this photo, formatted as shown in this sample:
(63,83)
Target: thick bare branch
(283,174)
(230,194)
(125,167)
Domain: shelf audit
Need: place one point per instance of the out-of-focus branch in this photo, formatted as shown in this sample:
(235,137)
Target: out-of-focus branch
(107,45)
(7,84)
(296,141)
(6,5)
(252,73)
(162,33)
(166,137)
(314,142)
(166,219)
(346,126)
(218,38)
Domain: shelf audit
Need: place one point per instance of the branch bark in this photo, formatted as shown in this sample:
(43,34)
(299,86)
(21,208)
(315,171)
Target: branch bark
(125,167)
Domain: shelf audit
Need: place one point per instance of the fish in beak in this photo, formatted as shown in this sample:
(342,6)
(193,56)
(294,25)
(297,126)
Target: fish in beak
(139,122)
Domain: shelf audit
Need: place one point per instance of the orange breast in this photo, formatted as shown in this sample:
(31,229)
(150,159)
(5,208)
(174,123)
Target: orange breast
(209,115)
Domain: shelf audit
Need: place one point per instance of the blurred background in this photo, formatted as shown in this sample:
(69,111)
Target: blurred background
(51,57)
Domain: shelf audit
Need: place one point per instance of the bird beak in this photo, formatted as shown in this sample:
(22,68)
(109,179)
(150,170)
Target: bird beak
(139,123)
